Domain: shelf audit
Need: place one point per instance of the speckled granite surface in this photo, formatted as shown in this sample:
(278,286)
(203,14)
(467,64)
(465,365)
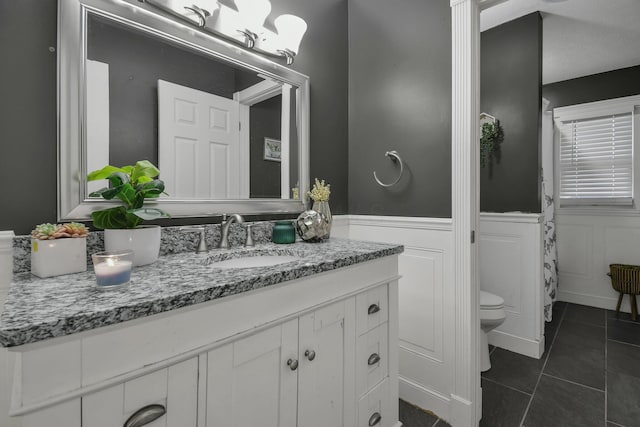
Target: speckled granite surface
(37,309)
(173,241)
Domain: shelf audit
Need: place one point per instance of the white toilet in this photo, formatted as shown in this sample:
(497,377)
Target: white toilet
(491,316)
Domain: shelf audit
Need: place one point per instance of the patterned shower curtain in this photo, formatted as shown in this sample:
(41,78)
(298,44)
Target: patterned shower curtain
(550,250)
(550,255)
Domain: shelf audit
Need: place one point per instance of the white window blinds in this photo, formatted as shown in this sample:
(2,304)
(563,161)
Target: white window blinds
(596,160)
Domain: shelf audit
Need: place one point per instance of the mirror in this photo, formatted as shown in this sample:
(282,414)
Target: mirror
(227,128)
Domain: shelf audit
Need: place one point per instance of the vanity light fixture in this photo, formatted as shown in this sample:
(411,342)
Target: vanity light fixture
(244,26)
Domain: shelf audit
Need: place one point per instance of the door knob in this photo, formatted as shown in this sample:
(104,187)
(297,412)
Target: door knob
(310,354)
(292,364)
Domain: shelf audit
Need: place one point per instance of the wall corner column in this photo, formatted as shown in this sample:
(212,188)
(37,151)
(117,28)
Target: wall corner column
(466,399)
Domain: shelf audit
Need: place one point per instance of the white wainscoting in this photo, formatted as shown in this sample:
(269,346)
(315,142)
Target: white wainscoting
(511,266)
(427,317)
(587,244)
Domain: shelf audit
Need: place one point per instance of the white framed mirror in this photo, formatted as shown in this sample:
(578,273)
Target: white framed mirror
(135,83)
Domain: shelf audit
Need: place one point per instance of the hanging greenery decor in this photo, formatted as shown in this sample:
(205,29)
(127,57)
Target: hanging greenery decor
(489,141)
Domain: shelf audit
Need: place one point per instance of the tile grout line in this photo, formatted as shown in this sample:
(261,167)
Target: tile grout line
(625,343)
(544,365)
(506,386)
(573,382)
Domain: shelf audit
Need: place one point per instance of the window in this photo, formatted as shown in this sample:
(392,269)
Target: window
(595,153)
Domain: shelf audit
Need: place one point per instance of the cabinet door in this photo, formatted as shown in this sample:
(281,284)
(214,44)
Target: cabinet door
(174,388)
(326,377)
(250,383)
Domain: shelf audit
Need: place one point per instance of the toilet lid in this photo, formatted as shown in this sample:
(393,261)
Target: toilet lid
(488,300)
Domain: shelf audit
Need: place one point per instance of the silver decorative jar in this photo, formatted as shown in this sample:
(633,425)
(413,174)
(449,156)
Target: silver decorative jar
(312,226)
(323,208)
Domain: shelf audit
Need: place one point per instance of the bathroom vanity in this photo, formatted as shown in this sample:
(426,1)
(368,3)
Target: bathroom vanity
(309,342)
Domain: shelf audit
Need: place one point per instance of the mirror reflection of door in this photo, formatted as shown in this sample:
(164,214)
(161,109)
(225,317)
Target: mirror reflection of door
(199,144)
(97,119)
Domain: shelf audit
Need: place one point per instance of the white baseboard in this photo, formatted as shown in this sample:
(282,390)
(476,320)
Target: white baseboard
(519,345)
(424,398)
(594,301)
(462,412)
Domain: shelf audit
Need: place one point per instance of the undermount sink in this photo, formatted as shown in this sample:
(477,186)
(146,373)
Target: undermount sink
(255,261)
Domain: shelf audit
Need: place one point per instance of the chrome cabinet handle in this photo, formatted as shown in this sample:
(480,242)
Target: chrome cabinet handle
(292,364)
(146,415)
(375,419)
(373,359)
(310,354)
(373,308)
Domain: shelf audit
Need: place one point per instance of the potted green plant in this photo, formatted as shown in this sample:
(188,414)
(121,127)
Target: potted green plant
(122,225)
(58,249)
(490,141)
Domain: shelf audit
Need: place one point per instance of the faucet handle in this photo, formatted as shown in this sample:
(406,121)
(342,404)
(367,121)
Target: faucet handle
(249,241)
(202,244)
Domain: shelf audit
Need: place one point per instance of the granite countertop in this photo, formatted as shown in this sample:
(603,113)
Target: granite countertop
(37,309)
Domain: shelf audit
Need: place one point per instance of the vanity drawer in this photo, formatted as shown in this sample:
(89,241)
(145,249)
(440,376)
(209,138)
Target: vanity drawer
(374,408)
(372,309)
(372,358)
(171,394)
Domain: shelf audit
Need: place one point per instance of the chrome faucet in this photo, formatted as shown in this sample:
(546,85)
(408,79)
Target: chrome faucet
(224,228)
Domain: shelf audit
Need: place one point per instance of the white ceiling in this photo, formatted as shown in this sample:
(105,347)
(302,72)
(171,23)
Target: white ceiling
(580,37)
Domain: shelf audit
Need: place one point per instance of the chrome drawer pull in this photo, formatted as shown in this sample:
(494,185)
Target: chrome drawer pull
(146,415)
(375,419)
(373,308)
(310,354)
(293,364)
(373,359)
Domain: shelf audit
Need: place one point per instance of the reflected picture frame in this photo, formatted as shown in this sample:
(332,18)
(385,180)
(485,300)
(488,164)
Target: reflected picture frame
(272,150)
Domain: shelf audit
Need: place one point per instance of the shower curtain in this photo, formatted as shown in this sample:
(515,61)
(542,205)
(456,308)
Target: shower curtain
(548,207)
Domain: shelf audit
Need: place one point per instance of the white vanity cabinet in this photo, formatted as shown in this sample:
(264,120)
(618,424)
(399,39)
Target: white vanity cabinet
(294,374)
(312,352)
(249,382)
(172,392)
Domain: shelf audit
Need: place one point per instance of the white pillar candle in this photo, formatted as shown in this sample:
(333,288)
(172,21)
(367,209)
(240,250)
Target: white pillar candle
(113,272)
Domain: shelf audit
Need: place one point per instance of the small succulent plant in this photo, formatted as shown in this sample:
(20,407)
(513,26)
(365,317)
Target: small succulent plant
(49,231)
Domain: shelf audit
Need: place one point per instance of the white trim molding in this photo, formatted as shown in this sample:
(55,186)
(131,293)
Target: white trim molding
(466,409)
(516,217)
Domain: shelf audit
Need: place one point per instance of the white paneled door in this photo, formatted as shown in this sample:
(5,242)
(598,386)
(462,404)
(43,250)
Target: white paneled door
(198,144)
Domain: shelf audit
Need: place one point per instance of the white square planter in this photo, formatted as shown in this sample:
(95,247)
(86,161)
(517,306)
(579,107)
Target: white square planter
(59,256)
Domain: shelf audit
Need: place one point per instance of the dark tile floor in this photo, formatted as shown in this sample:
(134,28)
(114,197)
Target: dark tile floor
(588,376)
(412,416)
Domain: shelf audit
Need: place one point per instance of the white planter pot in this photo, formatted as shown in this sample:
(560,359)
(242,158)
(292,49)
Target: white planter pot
(144,241)
(59,256)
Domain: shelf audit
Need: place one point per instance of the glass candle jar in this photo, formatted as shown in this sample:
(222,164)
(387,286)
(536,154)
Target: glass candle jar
(112,268)
(284,232)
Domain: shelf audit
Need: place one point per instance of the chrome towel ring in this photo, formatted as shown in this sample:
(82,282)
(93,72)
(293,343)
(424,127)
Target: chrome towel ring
(395,157)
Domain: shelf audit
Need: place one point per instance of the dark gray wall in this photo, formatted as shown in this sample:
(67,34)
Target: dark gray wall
(597,87)
(510,88)
(324,58)
(400,99)
(136,63)
(28,123)
(265,121)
